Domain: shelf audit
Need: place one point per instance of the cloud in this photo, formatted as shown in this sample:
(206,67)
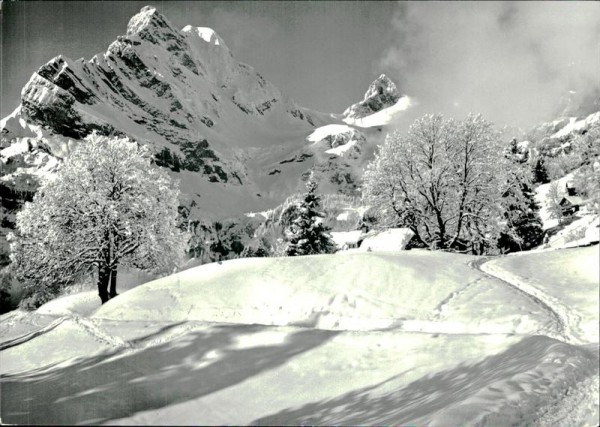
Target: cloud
(513,62)
(244,30)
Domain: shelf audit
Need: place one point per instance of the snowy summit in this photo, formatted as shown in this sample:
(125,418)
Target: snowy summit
(382,93)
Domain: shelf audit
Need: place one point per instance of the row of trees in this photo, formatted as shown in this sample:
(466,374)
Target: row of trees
(453,183)
(107,207)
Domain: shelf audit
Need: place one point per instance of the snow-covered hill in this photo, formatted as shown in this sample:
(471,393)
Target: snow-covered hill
(331,292)
(316,340)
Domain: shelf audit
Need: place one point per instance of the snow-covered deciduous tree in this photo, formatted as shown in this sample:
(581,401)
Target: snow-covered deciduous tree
(553,199)
(587,181)
(445,180)
(307,235)
(587,177)
(106,207)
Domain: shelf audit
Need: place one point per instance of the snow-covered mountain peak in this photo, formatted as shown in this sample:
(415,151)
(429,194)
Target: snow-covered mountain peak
(382,93)
(207,34)
(148,19)
(381,87)
(231,137)
(216,123)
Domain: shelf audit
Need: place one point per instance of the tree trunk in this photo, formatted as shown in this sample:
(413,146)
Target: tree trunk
(113,283)
(441,230)
(103,278)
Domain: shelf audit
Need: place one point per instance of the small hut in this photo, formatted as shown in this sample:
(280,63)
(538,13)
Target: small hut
(571,204)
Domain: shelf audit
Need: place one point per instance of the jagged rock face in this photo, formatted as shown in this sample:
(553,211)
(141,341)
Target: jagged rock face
(231,138)
(176,90)
(345,138)
(382,93)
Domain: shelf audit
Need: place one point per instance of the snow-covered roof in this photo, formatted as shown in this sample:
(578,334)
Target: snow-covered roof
(573,200)
(394,239)
(342,238)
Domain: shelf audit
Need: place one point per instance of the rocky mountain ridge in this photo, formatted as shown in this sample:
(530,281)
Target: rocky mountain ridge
(382,93)
(222,129)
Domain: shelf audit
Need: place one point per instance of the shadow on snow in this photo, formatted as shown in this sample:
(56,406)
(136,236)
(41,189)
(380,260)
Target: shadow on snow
(119,384)
(514,372)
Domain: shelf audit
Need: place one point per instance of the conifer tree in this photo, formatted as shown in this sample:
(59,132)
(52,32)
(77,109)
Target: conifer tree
(524,228)
(307,234)
(540,172)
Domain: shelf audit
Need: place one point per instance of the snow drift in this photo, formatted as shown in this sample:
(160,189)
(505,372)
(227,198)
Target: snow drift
(416,291)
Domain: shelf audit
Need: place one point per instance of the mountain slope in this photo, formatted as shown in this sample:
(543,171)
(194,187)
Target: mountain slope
(233,139)
(180,91)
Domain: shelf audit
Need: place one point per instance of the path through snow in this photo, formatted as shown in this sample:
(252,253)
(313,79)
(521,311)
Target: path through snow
(558,328)
(579,405)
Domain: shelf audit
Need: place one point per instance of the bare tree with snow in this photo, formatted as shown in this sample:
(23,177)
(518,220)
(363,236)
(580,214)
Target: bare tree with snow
(445,180)
(106,207)
(553,199)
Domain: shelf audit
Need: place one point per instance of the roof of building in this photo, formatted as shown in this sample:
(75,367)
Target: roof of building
(573,200)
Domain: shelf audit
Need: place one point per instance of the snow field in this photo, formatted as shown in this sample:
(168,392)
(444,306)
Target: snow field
(81,303)
(85,302)
(368,338)
(416,290)
(327,130)
(353,378)
(382,117)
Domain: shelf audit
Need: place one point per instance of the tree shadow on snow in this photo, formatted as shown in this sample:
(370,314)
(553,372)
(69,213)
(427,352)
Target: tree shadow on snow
(418,402)
(121,383)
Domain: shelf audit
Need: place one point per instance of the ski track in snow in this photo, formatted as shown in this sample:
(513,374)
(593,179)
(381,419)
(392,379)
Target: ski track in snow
(563,318)
(89,325)
(579,404)
(31,335)
(567,319)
